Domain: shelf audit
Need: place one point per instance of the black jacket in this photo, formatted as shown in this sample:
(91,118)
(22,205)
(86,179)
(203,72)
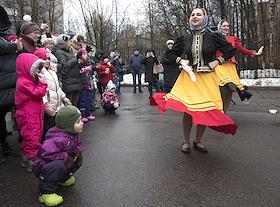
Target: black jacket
(149,64)
(63,55)
(8,75)
(171,71)
(211,42)
(71,80)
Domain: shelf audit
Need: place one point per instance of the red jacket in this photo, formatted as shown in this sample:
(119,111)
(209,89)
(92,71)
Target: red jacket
(235,42)
(105,78)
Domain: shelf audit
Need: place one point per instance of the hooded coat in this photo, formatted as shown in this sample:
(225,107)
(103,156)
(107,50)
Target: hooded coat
(29,104)
(105,78)
(57,146)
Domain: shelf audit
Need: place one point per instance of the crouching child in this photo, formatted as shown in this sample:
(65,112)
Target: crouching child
(110,100)
(59,156)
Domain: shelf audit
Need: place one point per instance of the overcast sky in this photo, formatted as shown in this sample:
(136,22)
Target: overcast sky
(134,11)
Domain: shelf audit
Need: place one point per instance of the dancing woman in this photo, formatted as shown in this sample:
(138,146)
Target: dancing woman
(197,94)
(227,72)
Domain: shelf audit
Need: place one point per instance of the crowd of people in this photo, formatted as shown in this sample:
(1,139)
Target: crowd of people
(50,85)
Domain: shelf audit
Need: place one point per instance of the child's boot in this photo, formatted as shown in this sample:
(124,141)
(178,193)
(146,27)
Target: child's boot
(70,181)
(50,199)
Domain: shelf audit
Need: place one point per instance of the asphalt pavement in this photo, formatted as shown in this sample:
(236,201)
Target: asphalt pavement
(133,159)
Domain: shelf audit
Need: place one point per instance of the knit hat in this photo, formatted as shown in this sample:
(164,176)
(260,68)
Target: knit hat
(169,42)
(62,39)
(5,23)
(110,85)
(66,118)
(80,52)
(29,27)
(12,37)
(47,41)
(42,53)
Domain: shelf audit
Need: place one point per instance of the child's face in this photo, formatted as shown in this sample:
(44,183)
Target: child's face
(38,69)
(78,126)
(84,56)
(47,64)
(106,60)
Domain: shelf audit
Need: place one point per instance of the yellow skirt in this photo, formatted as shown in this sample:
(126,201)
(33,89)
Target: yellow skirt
(200,95)
(201,99)
(227,73)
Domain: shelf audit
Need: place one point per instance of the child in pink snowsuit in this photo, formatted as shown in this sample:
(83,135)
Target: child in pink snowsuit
(30,89)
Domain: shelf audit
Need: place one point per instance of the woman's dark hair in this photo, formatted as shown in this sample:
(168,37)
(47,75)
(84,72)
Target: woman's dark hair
(150,50)
(80,38)
(104,57)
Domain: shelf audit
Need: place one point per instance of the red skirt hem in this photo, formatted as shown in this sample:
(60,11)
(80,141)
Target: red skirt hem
(214,119)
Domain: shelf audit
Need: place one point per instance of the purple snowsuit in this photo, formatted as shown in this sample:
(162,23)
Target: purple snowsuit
(50,167)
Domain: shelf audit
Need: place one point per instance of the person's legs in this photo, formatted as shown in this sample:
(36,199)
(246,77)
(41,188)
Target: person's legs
(150,89)
(89,101)
(50,176)
(134,81)
(83,103)
(187,126)
(3,127)
(139,74)
(226,97)
(31,129)
(2,159)
(200,129)
(6,149)
(106,108)
(90,117)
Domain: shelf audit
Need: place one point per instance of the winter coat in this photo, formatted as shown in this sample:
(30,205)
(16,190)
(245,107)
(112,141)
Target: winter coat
(54,95)
(105,78)
(171,71)
(29,104)
(109,97)
(86,73)
(149,64)
(63,55)
(71,80)
(57,146)
(8,75)
(135,62)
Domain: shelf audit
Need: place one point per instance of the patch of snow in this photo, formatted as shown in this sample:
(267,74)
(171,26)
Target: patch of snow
(262,82)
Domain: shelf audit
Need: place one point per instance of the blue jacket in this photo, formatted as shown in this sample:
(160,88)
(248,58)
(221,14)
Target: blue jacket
(135,62)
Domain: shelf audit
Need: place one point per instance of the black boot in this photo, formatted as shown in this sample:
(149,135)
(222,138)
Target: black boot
(244,94)
(2,159)
(8,151)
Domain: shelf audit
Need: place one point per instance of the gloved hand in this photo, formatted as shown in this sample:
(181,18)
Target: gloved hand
(49,110)
(186,67)
(107,70)
(67,101)
(116,105)
(72,159)
(260,51)
(41,77)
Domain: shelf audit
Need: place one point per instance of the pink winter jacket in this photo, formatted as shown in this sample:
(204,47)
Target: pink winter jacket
(29,103)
